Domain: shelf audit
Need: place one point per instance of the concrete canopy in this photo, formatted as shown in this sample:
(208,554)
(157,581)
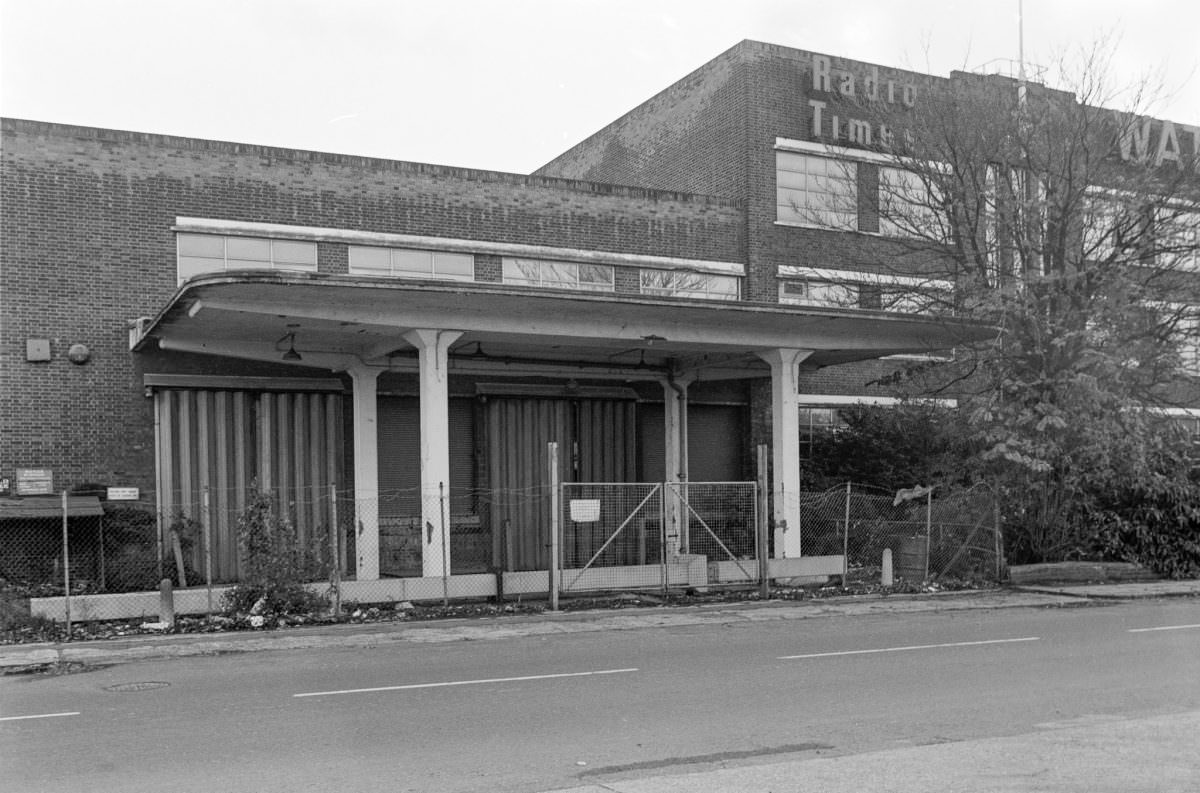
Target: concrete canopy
(341,322)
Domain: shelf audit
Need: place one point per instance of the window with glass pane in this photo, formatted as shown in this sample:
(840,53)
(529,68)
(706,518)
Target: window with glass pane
(403,263)
(699,286)
(558,275)
(819,293)
(370,261)
(907,207)
(214,253)
(1179,241)
(815,423)
(245,253)
(816,191)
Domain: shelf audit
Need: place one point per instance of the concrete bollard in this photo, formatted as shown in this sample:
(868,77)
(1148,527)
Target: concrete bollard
(166,603)
(886,575)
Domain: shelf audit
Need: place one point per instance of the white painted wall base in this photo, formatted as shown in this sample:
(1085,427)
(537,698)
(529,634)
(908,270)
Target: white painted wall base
(688,570)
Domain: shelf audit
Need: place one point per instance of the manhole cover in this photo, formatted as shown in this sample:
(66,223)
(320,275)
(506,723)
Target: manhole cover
(148,685)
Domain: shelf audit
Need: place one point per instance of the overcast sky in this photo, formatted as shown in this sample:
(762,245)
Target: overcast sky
(508,84)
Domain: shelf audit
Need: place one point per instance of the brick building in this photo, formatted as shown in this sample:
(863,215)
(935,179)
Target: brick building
(189,316)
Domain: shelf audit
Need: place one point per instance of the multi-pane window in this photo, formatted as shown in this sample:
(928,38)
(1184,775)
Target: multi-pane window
(819,293)
(814,424)
(1111,227)
(907,206)
(877,296)
(816,191)
(213,253)
(1179,241)
(558,275)
(701,286)
(404,263)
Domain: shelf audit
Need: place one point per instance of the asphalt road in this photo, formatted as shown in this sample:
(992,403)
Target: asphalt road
(536,713)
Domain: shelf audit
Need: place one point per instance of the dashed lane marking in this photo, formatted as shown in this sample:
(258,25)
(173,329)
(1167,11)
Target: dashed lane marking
(1165,628)
(909,647)
(39,716)
(465,682)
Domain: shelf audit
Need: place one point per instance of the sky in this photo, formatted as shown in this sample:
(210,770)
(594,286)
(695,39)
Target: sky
(507,85)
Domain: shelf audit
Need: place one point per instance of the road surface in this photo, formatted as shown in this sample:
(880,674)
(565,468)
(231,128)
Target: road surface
(538,713)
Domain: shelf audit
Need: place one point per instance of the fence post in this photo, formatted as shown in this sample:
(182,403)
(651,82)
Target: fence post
(846,539)
(335,576)
(445,544)
(555,519)
(760,526)
(206,513)
(998,537)
(928,528)
(66,556)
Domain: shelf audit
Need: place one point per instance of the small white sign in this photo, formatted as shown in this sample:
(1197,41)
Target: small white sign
(35,482)
(122,494)
(585,510)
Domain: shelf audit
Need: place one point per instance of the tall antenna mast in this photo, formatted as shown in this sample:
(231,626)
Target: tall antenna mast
(1021,51)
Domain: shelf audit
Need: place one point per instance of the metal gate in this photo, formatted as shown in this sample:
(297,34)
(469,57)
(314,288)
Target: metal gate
(718,520)
(654,535)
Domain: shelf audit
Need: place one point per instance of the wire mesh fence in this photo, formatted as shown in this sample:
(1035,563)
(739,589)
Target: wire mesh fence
(930,535)
(398,546)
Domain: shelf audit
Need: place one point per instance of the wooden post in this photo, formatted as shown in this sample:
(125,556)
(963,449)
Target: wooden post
(445,544)
(928,528)
(555,519)
(206,513)
(761,519)
(66,556)
(335,559)
(846,539)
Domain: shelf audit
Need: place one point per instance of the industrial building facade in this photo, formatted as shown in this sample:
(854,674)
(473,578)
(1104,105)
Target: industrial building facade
(704,275)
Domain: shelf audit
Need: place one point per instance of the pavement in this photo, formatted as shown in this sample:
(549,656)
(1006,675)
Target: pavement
(107,652)
(1097,754)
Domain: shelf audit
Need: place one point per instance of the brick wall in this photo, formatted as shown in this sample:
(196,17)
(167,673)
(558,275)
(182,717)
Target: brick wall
(87,246)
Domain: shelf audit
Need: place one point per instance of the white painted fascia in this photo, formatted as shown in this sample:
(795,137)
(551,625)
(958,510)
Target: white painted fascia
(241,228)
(847,153)
(837,400)
(859,277)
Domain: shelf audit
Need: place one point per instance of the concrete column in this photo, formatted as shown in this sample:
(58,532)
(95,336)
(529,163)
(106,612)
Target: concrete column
(785,448)
(675,456)
(432,348)
(366,472)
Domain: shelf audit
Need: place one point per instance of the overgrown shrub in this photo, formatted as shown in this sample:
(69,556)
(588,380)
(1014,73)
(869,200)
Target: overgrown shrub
(276,565)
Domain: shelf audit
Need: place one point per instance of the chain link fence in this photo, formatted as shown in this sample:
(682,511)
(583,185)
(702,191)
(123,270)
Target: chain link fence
(931,535)
(110,557)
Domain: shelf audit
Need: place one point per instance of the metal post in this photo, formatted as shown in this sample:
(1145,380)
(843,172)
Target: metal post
(998,537)
(206,513)
(928,516)
(846,540)
(555,520)
(445,544)
(66,555)
(760,526)
(335,574)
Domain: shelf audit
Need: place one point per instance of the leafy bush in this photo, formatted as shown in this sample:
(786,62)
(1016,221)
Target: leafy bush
(276,565)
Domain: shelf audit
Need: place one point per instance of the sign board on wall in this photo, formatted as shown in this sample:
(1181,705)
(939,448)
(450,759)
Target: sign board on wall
(35,482)
(122,494)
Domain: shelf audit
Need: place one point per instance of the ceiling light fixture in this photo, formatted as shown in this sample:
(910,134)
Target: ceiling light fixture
(291,354)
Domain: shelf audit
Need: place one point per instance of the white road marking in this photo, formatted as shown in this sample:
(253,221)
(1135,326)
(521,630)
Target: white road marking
(1164,628)
(38,716)
(465,682)
(910,647)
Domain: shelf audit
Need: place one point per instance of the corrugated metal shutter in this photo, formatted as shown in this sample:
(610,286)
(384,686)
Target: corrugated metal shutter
(518,431)
(222,441)
(597,443)
(400,456)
